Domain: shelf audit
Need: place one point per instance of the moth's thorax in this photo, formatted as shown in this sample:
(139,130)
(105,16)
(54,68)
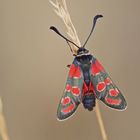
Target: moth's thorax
(84,59)
(84,62)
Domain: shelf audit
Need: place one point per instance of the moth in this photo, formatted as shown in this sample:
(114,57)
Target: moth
(87,81)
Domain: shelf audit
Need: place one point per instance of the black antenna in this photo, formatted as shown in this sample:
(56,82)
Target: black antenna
(94,23)
(55,30)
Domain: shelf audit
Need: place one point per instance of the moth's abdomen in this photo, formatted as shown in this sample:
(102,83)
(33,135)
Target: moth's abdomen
(89,101)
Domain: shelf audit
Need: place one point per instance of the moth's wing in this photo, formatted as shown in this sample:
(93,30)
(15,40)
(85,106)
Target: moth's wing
(72,93)
(105,89)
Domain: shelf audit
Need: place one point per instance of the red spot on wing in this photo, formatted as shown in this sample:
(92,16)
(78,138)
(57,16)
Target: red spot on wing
(108,81)
(101,86)
(74,72)
(98,64)
(72,69)
(113,101)
(75,91)
(96,68)
(68,109)
(65,100)
(68,88)
(113,92)
(77,73)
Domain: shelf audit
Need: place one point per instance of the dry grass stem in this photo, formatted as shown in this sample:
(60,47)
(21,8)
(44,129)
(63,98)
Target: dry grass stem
(100,121)
(3,128)
(62,11)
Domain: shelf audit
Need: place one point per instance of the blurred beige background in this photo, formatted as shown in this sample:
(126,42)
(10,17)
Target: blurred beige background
(33,68)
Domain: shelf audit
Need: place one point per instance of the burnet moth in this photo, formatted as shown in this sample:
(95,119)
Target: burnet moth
(87,81)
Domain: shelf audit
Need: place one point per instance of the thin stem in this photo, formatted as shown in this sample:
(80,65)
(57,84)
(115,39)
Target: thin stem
(3,128)
(100,121)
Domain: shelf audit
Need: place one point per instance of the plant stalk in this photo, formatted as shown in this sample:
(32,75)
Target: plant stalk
(3,128)
(100,121)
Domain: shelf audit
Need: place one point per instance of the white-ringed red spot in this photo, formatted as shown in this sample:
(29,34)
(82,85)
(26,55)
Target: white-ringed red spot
(113,101)
(113,92)
(68,88)
(65,100)
(101,86)
(68,109)
(75,91)
(108,81)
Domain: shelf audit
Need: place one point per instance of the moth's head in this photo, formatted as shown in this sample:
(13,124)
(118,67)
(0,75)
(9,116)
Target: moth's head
(82,51)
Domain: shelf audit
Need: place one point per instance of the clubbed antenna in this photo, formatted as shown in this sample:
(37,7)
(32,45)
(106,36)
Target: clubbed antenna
(67,40)
(94,23)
